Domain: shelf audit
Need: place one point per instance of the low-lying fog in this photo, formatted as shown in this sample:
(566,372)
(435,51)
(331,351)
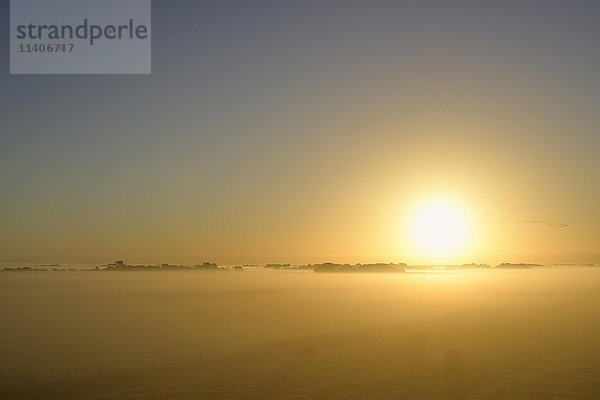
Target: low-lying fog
(267,334)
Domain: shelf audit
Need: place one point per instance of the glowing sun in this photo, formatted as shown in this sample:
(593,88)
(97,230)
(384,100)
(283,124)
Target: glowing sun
(440,228)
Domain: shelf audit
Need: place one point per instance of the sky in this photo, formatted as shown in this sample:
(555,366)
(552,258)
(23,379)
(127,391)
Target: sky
(308,131)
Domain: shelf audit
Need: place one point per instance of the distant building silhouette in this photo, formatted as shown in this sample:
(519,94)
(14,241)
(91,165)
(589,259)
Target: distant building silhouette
(418,342)
(307,353)
(456,388)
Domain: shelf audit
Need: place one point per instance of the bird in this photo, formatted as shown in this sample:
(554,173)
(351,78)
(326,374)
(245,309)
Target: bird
(550,224)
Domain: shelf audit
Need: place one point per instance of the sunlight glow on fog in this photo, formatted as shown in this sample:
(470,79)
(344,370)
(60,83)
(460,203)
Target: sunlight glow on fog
(222,335)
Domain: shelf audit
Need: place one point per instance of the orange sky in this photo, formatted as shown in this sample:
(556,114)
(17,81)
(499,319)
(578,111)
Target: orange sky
(314,133)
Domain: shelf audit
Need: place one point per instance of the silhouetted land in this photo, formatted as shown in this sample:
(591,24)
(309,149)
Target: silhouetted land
(329,267)
(323,267)
(121,266)
(519,266)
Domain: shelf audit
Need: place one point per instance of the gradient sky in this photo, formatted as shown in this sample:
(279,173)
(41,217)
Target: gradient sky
(304,131)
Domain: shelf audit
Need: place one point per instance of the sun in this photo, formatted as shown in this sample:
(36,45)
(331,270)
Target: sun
(440,228)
